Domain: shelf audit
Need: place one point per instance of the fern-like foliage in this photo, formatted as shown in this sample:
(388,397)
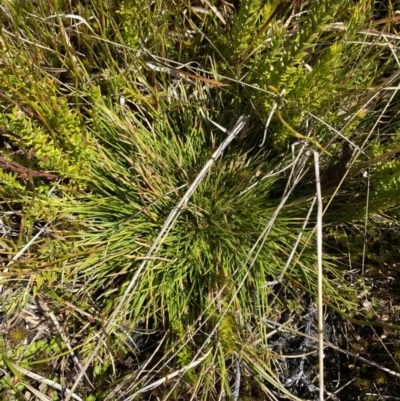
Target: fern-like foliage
(282,71)
(244,27)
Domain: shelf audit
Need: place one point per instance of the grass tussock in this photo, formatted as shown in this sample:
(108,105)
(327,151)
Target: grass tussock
(146,256)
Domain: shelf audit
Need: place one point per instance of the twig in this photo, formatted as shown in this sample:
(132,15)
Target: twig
(169,377)
(21,107)
(25,172)
(320,276)
(293,251)
(236,390)
(215,10)
(331,395)
(274,107)
(380,396)
(64,337)
(294,179)
(330,345)
(30,242)
(364,252)
(37,393)
(43,380)
(340,26)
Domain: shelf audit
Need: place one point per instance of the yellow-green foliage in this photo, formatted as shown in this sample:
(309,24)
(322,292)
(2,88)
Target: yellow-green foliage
(385,183)
(200,286)
(245,26)
(358,14)
(282,71)
(281,61)
(316,87)
(46,133)
(145,23)
(130,16)
(64,149)
(264,54)
(316,73)
(184,355)
(226,334)
(382,178)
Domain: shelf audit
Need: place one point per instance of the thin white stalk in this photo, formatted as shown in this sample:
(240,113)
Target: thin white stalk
(39,395)
(215,10)
(334,394)
(364,253)
(179,372)
(294,178)
(70,16)
(269,175)
(336,132)
(320,210)
(274,107)
(284,327)
(43,380)
(340,26)
(173,216)
(293,251)
(30,242)
(64,338)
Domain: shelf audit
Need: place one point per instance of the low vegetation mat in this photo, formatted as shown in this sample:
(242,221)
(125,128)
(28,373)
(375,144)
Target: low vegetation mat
(199,200)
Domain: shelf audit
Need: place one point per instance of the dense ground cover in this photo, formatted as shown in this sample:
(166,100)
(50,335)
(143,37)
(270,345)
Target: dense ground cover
(197,198)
